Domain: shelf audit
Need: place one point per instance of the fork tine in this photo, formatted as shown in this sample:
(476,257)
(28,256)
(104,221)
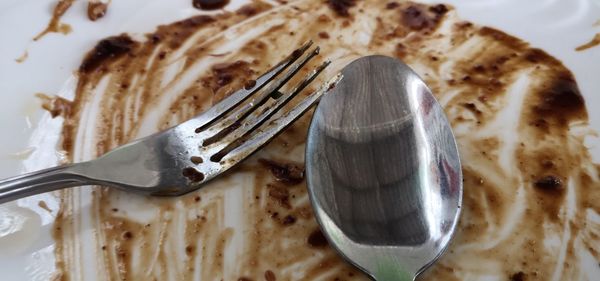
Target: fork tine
(232,154)
(258,120)
(222,107)
(232,121)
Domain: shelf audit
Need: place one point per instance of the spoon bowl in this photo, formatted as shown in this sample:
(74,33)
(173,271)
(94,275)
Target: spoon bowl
(383,170)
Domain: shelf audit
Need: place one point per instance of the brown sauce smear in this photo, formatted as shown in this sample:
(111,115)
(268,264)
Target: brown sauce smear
(106,51)
(593,43)
(518,191)
(54,25)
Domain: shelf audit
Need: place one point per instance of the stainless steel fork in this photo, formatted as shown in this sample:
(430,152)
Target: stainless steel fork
(182,158)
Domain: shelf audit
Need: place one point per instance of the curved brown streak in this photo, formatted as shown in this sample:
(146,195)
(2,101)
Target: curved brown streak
(275,234)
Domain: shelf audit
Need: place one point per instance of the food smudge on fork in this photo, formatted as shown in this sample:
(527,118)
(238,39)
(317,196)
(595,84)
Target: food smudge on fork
(531,192)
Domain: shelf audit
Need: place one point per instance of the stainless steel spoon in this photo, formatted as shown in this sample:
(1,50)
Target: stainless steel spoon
(383,170)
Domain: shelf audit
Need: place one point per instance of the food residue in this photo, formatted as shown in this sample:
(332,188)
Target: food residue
(96,9)
(594,42)
(209,4)
(287,173)
(54,25)
(514,110)
(22,57)
(42,204)
(57,106)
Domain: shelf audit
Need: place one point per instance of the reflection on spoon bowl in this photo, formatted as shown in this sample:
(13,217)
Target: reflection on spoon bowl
(383,170)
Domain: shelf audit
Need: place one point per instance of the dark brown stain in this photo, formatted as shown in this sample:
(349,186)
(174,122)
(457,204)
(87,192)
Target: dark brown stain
(250,84)
(560,100)
(419,17)
(392,5)
(209,4)
(289,220)
(341,7)
(549,183)
(107,50)
(192,174)
(317,239)
(287,173)
(176,33)
(519,276)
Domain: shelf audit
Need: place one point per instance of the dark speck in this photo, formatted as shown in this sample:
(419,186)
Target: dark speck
(287,173)
(341,7)
(323,35)
(192,174)
(439,9)
(519,276)
(561,99)
(288,220)
(317,239)
(209,4)
(549,183)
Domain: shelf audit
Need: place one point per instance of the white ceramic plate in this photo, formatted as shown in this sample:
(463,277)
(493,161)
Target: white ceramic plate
(26,247)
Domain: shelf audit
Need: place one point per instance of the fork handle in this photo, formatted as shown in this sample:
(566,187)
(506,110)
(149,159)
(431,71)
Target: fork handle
(39,182)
